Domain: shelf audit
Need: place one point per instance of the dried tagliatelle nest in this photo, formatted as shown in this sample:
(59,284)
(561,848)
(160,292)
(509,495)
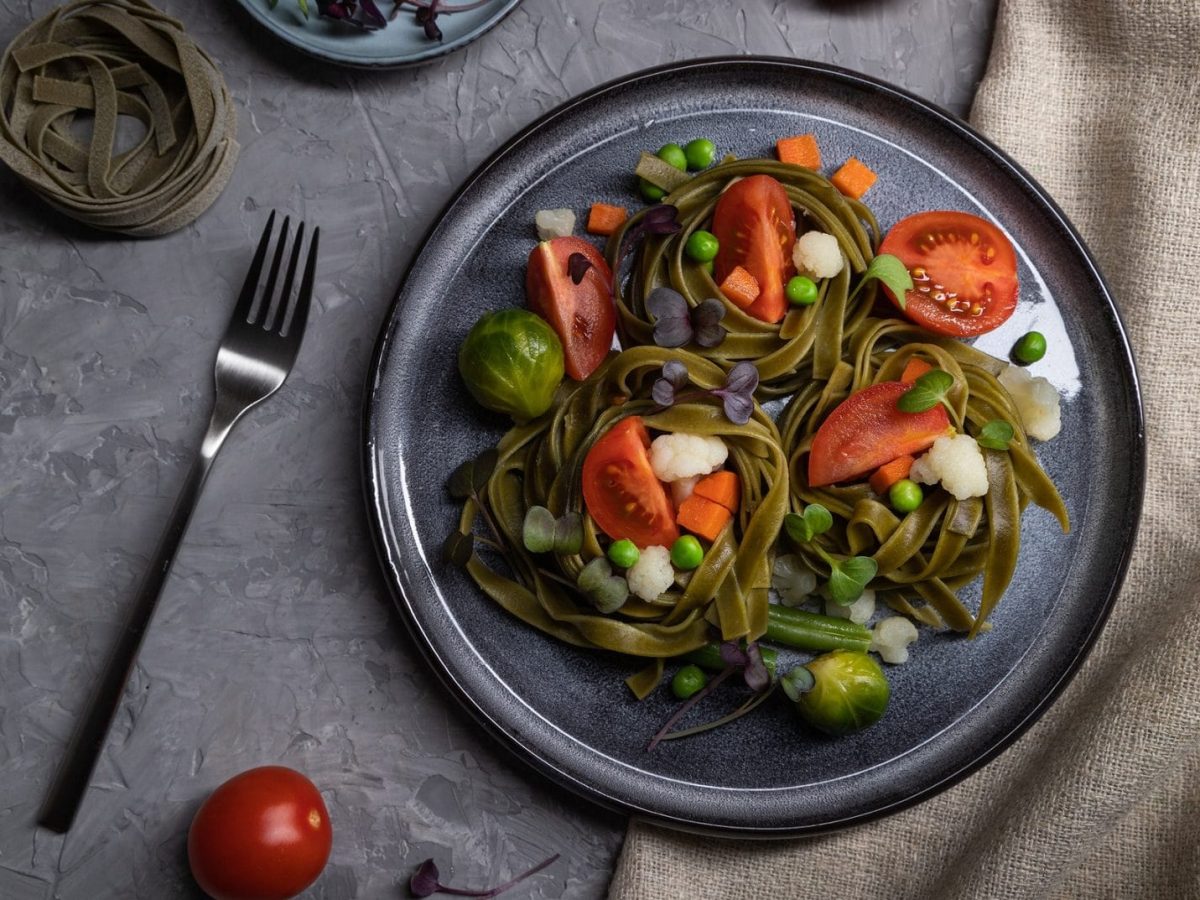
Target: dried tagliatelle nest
(104,59)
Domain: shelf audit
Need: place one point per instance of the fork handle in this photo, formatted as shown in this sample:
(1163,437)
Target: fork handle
(73,777)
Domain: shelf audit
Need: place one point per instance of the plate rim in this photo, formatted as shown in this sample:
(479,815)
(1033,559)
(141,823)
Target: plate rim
(385,63)
(372,485)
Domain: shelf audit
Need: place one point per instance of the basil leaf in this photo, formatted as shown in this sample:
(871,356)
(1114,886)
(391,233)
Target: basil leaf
(892,272)
(995,435)
(927,392)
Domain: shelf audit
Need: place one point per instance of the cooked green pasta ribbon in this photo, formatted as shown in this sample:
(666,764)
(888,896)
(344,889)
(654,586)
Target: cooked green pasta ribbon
(810,340)
(106,59)
(540,464)
(925,556)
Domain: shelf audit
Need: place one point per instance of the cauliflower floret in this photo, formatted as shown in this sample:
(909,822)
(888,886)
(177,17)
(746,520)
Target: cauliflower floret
(652,574)
(552,223)
(891,638)
(957,463)
(793,580)
(818,254)
(676,456)
(859,611)
(682,489)
(1037,402)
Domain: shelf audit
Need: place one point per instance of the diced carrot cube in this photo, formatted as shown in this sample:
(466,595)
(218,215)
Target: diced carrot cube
(800,150)
(887,475)
(853,179)
(701,516)
(915,368)
(740,287)
(604,218)
(723,488)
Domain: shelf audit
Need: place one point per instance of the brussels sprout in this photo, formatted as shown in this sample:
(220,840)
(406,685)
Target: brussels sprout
(850,693)
(512,362)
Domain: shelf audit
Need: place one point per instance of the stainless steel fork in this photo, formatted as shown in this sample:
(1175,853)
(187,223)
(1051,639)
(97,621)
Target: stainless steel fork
(255,356)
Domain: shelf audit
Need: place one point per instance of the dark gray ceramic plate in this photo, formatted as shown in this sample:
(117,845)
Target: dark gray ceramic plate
(566,711)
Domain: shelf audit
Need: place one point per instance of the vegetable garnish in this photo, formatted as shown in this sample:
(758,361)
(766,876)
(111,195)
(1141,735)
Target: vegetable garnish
(675,323)
(654,220)
(927,392)
(797,681)
(889,271)
(577,266)
(1030,348)
(746,659)
(995,435)
(849,693)
(543,533)
(425,881)
(736,394)
(467,482)
(802,528)
(853,179)
(606,591)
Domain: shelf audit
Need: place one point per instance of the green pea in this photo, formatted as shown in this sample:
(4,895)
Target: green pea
(801,291)
(905,495)
(673,154)
(652,192)
(686,553)
(623,553)
(1030,348)
(700,153)
(688,681)
(702,246)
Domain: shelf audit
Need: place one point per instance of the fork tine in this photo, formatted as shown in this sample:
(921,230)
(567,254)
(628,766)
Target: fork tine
(299,316)
(245,301)
(271,301)
(285,295)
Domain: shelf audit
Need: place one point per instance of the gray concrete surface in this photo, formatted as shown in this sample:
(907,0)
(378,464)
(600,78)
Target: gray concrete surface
(276,641)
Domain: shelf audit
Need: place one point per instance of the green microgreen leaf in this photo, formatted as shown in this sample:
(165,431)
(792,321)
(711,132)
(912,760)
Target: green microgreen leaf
(538,530)
(892,272)
(606,591)
(995,435)
(797,681)
(458,549)
(927,392)
(472,476)
(815,520)
(568,533)
(848,578)
(303,7)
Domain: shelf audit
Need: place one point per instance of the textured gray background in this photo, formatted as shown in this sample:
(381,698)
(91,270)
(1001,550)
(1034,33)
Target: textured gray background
(276,641)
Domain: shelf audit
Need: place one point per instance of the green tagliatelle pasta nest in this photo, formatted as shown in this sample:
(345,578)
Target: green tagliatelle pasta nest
(925,556)
(810,340)
(540,463)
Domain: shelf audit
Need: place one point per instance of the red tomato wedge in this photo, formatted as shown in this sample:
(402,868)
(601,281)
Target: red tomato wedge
(756,228)
(964,272)
(866,430)
(581,314)
(621,492)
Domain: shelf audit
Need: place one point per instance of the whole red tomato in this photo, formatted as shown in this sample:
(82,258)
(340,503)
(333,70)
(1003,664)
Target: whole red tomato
(262,835)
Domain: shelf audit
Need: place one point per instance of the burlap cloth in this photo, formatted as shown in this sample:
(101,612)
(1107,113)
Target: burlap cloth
(1100,100)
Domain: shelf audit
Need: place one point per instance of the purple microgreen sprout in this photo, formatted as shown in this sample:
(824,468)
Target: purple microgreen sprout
(427,19)
(674,378)
(706,323)
(577,266)
(425,881)
(675,323)
(362,14)
(747,660)
(654,220)
(738,392)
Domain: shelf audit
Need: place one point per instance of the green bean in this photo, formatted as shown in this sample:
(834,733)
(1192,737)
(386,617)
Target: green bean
(806,630)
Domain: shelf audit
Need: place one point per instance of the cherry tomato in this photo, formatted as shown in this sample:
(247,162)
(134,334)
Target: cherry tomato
(262,835)
(582,314)
(756,229)
(621,492)
(866,430)
(964,272)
